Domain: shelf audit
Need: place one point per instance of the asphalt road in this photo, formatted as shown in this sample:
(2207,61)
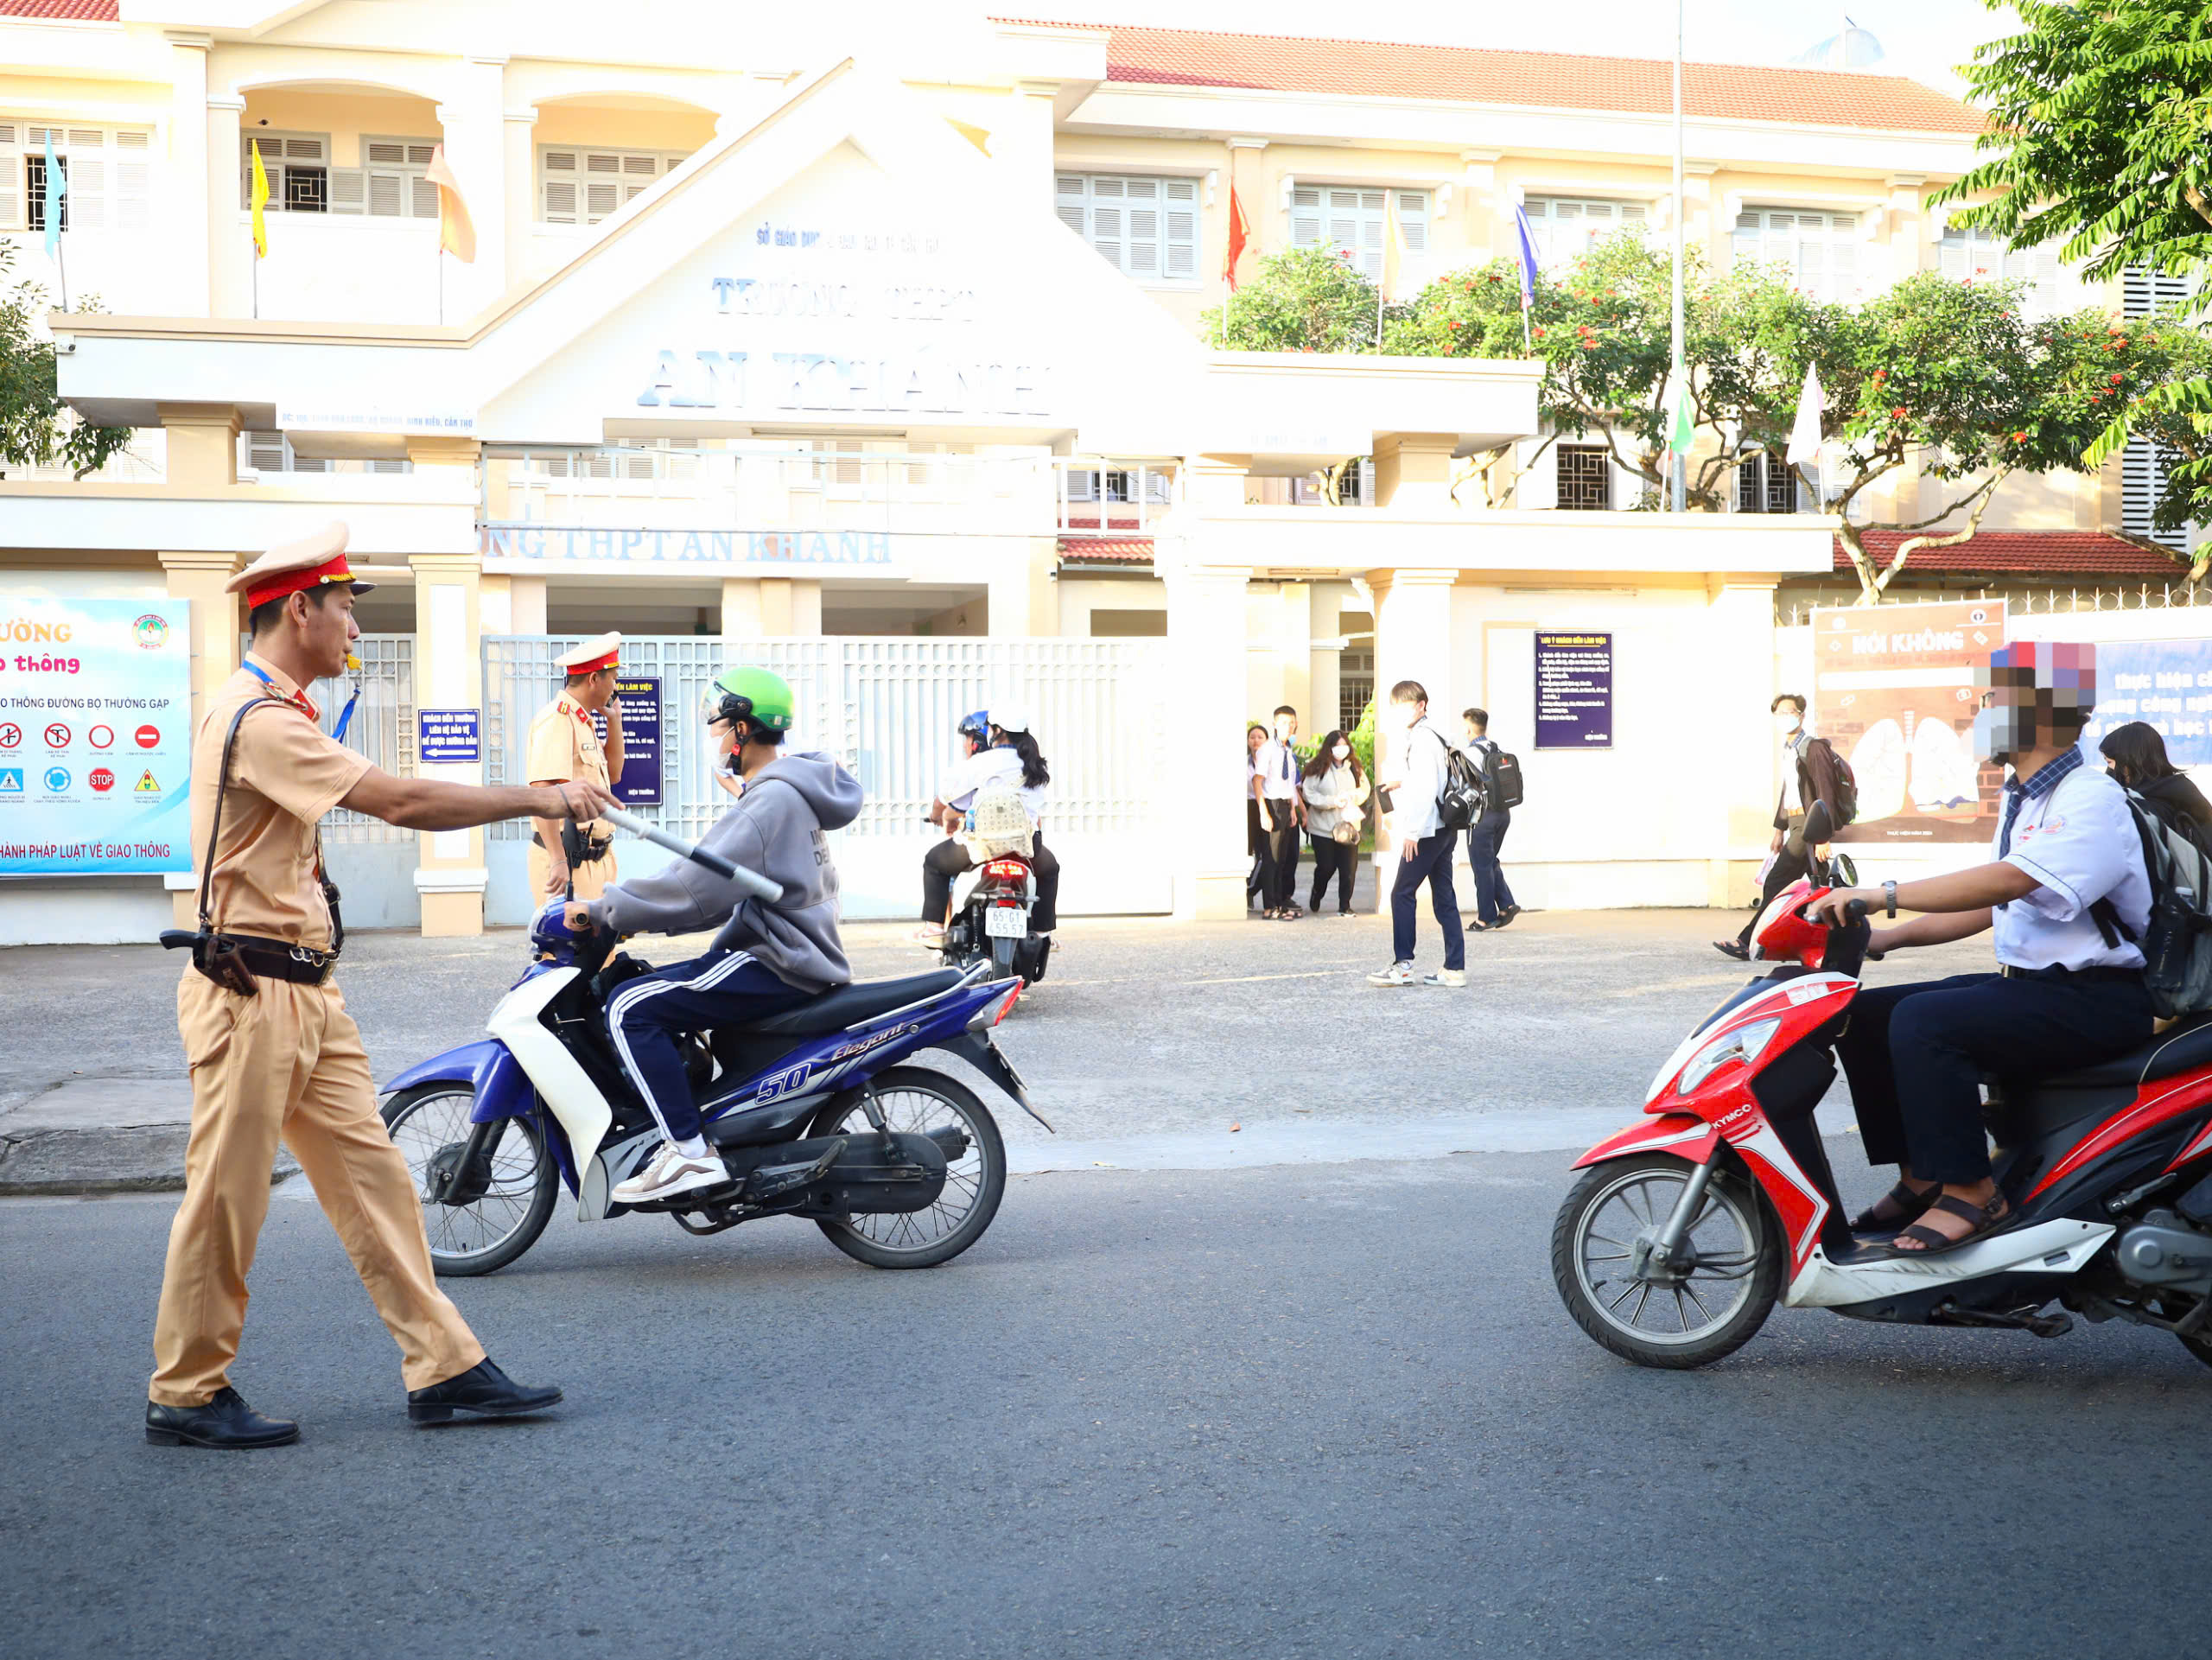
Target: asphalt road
(1327,1409)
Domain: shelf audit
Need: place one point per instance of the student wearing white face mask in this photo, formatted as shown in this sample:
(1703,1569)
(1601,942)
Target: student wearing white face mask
(1805,816)
(1274,787)
(1419,764)
(1336,791)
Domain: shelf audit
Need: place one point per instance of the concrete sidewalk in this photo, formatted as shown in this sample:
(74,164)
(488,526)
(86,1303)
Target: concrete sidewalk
(1153,1045)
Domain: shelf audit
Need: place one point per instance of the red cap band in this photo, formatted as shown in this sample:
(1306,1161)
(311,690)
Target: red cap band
(298,582)
(593,667)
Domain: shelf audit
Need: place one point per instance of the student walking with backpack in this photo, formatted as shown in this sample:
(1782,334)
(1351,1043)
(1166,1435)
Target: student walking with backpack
(1422,776)
(1336,791)
(1818,798)
(1494,905)
(2136,755)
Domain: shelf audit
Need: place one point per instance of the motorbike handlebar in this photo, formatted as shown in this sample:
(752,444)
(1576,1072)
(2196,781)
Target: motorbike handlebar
(751,880)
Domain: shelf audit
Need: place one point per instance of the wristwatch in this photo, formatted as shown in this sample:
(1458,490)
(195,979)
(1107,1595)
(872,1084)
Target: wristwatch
(1890,898)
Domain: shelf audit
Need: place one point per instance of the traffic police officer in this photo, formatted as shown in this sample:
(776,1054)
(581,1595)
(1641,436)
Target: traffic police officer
(563,745)
(271,1049)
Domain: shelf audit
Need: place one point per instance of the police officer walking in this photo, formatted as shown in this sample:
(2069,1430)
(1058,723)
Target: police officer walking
(272,1051)
(563,747)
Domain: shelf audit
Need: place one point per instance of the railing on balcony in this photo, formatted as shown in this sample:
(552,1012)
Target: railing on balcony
(1101,497)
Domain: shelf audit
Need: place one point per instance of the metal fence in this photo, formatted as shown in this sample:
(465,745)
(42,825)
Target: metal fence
(383,727)
(887,709)
(2028,602)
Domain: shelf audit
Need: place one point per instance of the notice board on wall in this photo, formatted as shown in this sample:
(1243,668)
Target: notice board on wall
(639,697)
(1574,690)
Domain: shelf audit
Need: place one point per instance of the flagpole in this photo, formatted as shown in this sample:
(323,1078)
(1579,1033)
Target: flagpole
(441,285)
(1679,472)
(61,264)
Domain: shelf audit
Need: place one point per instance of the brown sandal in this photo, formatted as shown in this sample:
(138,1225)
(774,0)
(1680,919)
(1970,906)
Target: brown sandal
(1927,1241)
(1910,1202)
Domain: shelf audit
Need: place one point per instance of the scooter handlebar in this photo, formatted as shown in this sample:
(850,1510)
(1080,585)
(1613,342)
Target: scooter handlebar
(751,880)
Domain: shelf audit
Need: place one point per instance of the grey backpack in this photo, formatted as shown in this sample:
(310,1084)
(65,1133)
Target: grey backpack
(2176,942)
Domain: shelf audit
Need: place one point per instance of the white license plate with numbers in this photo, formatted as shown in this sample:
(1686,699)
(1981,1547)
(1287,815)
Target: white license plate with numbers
(1007,921)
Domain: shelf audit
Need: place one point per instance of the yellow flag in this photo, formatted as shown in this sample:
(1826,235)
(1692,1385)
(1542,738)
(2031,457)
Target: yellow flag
(456,232)
(979,136)
(259,199)
(1394,248)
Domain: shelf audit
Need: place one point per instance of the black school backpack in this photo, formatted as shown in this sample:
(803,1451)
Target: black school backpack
(1501,776)
(1846,785)
(1464,798)
(2176,942)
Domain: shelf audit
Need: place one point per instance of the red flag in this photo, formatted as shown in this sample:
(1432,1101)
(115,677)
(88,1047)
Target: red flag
(1240,232)
(456,234)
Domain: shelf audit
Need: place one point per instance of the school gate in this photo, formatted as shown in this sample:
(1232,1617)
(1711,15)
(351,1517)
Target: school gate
(888,708)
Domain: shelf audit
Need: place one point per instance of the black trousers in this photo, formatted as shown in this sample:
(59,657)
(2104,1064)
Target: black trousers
(1795,860)
(1430,861)
(1279,884)
(1336,859)
(1492,892)
(1916,1055)
(646,1016)
(950,857)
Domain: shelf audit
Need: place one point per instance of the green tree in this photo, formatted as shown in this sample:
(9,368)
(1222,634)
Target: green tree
(1300,300)
(2099,118)
(1946,382)
(36,429)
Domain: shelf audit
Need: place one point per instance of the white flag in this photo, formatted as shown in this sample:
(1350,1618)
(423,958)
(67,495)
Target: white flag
(1805,432)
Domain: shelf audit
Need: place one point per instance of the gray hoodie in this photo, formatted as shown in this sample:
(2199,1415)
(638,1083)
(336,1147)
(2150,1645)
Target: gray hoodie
(776,828)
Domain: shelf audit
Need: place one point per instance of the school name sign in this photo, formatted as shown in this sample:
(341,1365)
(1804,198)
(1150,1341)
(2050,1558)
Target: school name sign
(530,543)
(811,320)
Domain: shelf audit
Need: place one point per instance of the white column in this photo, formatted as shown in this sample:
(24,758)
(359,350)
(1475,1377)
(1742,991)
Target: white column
(1205,654)
(520,141)
(229,246)
(474,128)
(186,206)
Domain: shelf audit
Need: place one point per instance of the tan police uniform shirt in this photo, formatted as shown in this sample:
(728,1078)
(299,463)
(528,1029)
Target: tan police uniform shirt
(564,746)
(285,774)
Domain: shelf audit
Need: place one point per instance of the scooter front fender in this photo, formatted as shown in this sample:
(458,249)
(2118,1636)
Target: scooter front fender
(1682,1134)
(466,1065)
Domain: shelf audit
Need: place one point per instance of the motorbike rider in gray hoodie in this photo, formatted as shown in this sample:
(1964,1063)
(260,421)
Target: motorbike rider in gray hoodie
(770,955)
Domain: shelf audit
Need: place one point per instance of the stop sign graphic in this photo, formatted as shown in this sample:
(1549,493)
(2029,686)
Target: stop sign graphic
(148,736)
(103,780)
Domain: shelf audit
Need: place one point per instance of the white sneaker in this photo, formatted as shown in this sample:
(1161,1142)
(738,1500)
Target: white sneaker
(1398,974)
(668,1173)
(1453,978)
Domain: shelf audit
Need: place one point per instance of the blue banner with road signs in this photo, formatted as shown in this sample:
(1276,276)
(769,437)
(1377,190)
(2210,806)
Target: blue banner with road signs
(95,736)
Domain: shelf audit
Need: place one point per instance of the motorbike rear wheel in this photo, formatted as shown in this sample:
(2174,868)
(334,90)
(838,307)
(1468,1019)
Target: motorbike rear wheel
(1690,1319)
(915,1101)
(431,1125)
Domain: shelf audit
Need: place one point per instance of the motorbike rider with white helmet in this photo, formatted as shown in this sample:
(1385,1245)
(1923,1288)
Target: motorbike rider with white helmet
(2068,897)
(769,956)
(1004,753)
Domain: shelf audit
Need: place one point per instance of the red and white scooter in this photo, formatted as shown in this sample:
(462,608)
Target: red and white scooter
(1685,1229)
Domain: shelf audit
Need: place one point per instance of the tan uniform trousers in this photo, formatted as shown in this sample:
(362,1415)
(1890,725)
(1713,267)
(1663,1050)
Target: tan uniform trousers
(290,1063)
(592,878)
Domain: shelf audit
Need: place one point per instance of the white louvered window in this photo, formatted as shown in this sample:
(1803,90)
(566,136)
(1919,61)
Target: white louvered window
(2142,293)
(1352,221)
(107,174)
(1819,251)
(388,184)
(1147,228)
(1565,227)
(273,453)
(1984,257)
(2143,465)
(577,186)
(298,168)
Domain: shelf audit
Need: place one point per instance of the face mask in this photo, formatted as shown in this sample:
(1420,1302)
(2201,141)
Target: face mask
(1997,735)
(1341,751)
(1787,720)
(1408,716)
(1282,731)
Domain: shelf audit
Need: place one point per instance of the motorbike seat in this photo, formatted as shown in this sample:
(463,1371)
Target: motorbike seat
(2183,1047)
(843,1006)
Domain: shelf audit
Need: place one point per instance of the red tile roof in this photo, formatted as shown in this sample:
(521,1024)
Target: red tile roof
(2027,553)
(1543,79)
(1106,549)
(85,11)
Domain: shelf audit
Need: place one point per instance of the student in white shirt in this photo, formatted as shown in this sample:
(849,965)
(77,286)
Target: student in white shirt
(2067,898)
(999,749)
(1417,760)
(1283,814)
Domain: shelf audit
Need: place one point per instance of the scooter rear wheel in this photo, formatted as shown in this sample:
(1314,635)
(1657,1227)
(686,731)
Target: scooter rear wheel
(1690,1319)
(915,1101)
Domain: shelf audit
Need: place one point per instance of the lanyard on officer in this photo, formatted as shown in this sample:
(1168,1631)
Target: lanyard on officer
(297,701)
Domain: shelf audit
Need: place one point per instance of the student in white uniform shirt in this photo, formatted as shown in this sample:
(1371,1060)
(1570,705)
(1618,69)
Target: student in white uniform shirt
(1000,750)
(1282,814)
(1417,762)
(2067,898)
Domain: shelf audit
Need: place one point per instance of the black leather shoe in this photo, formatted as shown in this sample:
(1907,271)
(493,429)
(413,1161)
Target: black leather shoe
(483,1389)
(225,1421)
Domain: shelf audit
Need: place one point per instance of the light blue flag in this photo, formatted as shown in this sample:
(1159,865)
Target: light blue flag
(1525,247)
(56,189)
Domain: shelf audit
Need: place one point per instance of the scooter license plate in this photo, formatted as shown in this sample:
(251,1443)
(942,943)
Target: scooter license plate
(1007,921)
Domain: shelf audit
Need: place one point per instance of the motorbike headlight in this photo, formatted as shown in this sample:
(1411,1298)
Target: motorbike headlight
(1745,1044)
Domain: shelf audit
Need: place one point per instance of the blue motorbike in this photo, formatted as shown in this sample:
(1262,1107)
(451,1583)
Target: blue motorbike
(817,1112)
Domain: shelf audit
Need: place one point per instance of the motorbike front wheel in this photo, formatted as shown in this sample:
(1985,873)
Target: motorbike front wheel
(915,1101)
(430,1125)
(1707,1307)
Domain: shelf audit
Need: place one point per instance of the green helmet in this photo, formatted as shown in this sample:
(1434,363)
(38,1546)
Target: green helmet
(761,697)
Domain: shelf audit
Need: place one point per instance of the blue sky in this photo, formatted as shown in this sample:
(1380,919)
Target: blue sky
(1921,38)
